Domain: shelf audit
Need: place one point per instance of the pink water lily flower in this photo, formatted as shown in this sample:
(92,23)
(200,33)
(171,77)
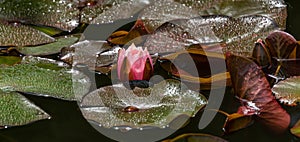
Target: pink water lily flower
(134,64)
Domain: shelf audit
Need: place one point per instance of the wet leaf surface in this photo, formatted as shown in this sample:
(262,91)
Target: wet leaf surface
(97,55)
(163,11)
(276,9)
(196,137)
(155,107)
(239,34)
(43,76)
(10,35)
(16,110)
(62,14)
(118,10)
(288,91)
(48,49)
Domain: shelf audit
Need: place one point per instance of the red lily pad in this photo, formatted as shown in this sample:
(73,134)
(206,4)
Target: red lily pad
(253,89)
(281,44)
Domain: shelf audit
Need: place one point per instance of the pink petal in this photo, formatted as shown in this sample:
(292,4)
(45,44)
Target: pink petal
(121,56)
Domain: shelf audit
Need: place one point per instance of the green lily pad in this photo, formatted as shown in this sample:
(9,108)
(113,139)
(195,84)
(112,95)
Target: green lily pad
(288,91)
(9,60)
(46,77)
(17,110)
(16,34)
(48,49)
(54,13)
(157,106)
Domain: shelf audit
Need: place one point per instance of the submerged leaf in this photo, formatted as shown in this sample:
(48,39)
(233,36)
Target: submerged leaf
(295,130)
(196,137)
(51,31)
(288,91)
(16,34)
(236,122)
(43,76)
(9,60)
(196,66)
(135,35)
(48,49)
(16,110)
(253,89)
(155,106)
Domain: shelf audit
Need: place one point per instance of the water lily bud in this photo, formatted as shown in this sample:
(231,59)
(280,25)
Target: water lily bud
(134,64)
(261,54)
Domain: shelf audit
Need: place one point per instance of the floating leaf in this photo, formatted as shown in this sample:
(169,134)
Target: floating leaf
(197,67)
(236,122)
(163,11)
(97,55)
(9,60)
(48,49)
(54,13)
(281,44)
(288,91)
(276,9)
(118,10)
(16,34)
(291,66)
(156,106)
(239,34)
(16,110)
(196,137)
(43,76)
(253,89)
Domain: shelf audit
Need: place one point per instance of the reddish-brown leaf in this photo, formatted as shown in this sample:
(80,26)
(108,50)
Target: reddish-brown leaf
(281,44)
(253,89)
